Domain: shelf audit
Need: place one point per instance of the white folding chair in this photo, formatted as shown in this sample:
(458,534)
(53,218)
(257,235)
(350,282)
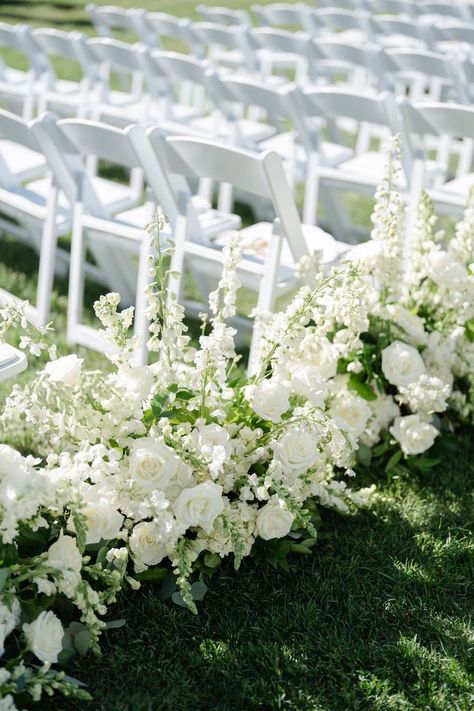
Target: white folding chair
(346,63)
(376,118)
(224,16)
(64,96)
(12,362)
(115,238)
(423,75)
(107,19)
(397,8)
(159,29)
(444,125)
(17,87)
(284,15)
(451,36)
(347,25)
(399,31)
(129,104)
(271,250)
(443,9)
(281,50)
(226,46)
(41,215)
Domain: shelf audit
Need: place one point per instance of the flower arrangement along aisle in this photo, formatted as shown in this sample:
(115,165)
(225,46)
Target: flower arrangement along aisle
(163,470)
(414,365)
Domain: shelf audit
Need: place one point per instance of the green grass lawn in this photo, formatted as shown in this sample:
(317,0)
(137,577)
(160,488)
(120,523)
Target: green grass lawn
(378,618)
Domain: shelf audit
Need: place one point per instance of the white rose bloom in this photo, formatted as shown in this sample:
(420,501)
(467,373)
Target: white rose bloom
(402,364)
(444,270)
(306,380)
(208,437)
(199,506)
(274,520)
(351,413)
(413,435)
(152,463)
(66,370)
(64,554)
(297,451)
(321,354)
(44,636)
(10,461)
(136,381)
(103,521)
(269,399)
(146,543)
(410,323)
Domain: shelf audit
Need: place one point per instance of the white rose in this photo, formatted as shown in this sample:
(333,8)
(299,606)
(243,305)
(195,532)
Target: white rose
(269,399)
(10,461)
(103,521)
(444,270)
(199,506)
(402,364)
(351,414)
(274,520)
(413,435)
(306,380)
(66,370)
(146,543)
(322,354)
(64,554)
(9,618)
(410,323)
(136,381)
(207,437)
(44,636)
(297,451)
(152,463)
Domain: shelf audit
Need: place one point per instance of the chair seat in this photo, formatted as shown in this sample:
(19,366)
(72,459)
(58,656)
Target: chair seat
(251,131)
(366,169)
(12,361)
(454,192)
(284,144)
(22,162)
(114,196)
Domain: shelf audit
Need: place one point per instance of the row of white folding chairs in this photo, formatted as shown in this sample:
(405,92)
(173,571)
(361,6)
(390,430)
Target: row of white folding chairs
(434,31)
(288,122)
(107,219)
(429,75)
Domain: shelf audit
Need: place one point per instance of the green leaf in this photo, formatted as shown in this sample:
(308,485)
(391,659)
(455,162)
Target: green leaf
(152,574)
(364,454)
(157,404)
(300,548)
(357,385)
(82,642)
(168,587)
(184,394)
(8,554)
(393,461)
(198,590)
(115,624)
(212,560)
(178,599)
(469,330)
(4,575)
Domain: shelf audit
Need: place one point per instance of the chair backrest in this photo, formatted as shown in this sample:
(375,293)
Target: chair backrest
(163,26)
(121,56)
(394,7)
(261,175)
(280,15)
(15,130)
(457,32)
(71,45)
(439,119)
(224,16)
(172,67)
(335,20)
(428,64)
(442,9)
(394,25)
(212,35)
(18,38)
(69,143)
(108,18)
(246,93)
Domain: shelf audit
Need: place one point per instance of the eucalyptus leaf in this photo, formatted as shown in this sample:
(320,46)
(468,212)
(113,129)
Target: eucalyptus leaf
(198,590)
(82,642)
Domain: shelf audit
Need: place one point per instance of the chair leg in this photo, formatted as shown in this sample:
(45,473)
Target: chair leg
(311,192)
(76,276)
(47,259)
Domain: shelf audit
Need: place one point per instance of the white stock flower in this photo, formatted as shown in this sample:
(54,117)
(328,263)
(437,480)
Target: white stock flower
(351,413)
(199,506)
(146,543)
(152,463)
(411,324)
(64,554)
(65,370)
(274,520)
(402,364)
(136,380)
(444,270)
(413,435)
(269,400)
(44,636)
(297,450)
